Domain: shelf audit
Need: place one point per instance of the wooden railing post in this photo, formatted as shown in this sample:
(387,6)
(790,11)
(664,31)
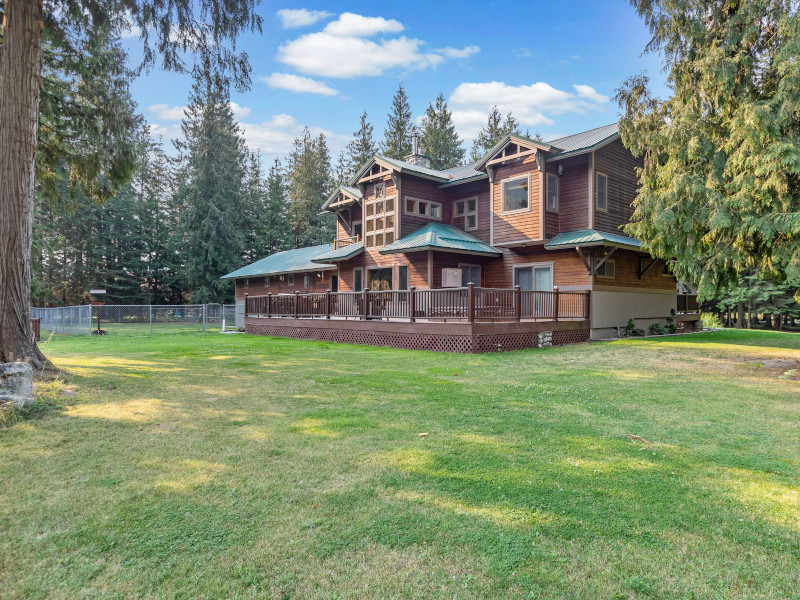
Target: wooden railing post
(296,302)
(517,303)
(245,304)
(269,304)
(364,300)
(412,303)
(588,308)
(327,304)
(470,302)
(555,303)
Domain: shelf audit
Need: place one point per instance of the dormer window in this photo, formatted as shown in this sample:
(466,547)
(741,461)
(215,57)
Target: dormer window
(515,194)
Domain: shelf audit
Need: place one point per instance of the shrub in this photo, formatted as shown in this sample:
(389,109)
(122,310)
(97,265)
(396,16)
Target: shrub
(671,327)
(632,331)
(710,321)
(657,329)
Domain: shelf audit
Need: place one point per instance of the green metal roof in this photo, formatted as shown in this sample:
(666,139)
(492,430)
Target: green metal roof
(351,191)
(342,253)
(592,237)
(437,236)
(288,261)
(586,141)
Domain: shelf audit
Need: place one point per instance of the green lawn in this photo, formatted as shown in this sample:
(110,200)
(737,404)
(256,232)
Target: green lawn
(230,466)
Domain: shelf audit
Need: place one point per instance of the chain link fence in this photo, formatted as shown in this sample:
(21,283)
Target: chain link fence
(114,319)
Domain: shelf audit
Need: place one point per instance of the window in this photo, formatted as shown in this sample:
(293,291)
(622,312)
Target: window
(379,279)
(379,219)
(459,208)
(665,269)
(470,274)
(534,277)
(606,270)
(402,277)
(267,281)
(246,283)
(468,209)
(290,279)
(602,192)
(358,283)
(424,208)
(334,283)
(552,192)
(515,194)
(307,281)
(357,229)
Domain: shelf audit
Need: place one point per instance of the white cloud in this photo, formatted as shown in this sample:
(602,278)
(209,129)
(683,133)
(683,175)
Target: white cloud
(164,112)
(342,49)
(300,17)
(533,105)
(589,93)
(276,136)
(298,84)
(456,53)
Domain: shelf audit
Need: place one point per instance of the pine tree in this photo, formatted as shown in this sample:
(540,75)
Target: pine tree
(275,235)
(720,184)
(396,141)
(310,183)
(496,129)
(440,141)
(362,147)
(213,192)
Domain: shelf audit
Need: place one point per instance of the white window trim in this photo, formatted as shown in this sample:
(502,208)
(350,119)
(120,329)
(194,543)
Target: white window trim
(598,175)
(383,215)
(267,281)
(535,265)
(503,195)
(417,214)
(467,213)
(380,186)
(605,263)
(547,192)
(307,281)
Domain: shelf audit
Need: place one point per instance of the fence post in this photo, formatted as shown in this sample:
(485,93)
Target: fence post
(150,316)
(555,303)
(412,303)
(327,304)
(470,302)
(269,304)
(364,300)
(245,304)
(296,302)
(517,303)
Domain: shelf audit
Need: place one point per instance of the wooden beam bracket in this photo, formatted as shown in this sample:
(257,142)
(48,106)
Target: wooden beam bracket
(647,268)
(583,258)
(605,258)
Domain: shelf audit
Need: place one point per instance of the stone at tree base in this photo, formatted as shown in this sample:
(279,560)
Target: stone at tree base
(16,384)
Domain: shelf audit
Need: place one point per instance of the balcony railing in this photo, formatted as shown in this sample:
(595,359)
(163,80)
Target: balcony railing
(468,304)
(345,241)
(687,304)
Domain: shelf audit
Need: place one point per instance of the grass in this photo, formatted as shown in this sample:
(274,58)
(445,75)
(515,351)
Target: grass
(230,466)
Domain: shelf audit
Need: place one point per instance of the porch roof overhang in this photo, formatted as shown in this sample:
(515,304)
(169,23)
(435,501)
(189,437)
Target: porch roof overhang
(586,238)
(340,254)
(437,236)
(286,262)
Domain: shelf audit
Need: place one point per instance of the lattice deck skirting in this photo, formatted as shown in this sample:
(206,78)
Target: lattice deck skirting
(462,339)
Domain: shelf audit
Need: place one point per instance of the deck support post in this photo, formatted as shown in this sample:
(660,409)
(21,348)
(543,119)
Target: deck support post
(517,303)
(245,304)
(269,304)
(412,304)
(555,303)
(327,304)
(364,300)
(296,302)
(470,302)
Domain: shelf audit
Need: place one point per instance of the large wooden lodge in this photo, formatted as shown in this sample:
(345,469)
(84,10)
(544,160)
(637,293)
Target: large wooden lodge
(523,248)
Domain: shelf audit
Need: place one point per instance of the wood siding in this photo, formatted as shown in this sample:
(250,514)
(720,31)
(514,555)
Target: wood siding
(573,196)
(256,287)
(423,189)
(523,225)
(620,166)
(626,272)
(568,268)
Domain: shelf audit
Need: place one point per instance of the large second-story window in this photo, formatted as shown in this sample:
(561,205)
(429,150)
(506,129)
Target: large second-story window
(602,192)
(552,192)
(515,194)
(379,221)
(423,208)
(468,209)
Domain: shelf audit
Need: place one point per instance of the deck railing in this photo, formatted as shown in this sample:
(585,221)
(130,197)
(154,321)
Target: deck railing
(449,304)
(345,241)
(687,304)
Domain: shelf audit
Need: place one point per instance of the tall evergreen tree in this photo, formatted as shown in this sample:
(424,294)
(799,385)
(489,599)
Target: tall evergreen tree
(396,141)
(720,185)
(198,29)
(212,191)
(496,129)
(440,141)
(310,183)
(270,219)
(362,147)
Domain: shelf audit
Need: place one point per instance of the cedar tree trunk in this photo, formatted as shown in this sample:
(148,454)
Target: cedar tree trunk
(20,74)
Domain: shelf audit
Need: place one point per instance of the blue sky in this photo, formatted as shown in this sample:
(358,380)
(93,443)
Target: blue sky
(554,65)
